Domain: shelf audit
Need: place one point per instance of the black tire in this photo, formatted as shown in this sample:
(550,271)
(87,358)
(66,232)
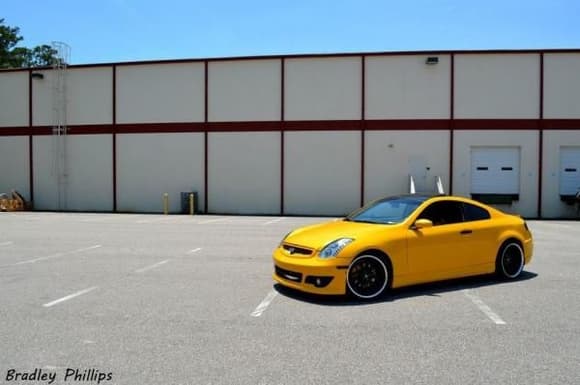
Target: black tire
(510,260)
(368,276)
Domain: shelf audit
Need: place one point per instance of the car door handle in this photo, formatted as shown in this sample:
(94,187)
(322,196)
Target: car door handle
(464,232)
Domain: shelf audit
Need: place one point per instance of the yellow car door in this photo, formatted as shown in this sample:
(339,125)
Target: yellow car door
(482,237)
(439,251)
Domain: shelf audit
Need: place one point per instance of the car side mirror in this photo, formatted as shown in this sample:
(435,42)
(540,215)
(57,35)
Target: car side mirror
(421,224)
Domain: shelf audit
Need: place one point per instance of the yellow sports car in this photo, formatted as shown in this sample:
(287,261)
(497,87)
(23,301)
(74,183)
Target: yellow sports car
(403,240)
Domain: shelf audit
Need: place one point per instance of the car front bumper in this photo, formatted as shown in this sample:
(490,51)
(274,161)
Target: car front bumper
(311,274)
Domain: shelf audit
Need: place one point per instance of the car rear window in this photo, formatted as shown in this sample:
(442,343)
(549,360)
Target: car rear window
(474,213)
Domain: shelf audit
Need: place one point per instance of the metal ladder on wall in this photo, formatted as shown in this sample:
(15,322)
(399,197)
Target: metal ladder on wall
(59,121)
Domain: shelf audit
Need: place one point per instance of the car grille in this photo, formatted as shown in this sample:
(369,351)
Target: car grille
(295,250)
(287,274)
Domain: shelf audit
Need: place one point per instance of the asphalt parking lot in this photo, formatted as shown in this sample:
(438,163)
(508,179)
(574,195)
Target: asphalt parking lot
(157,299)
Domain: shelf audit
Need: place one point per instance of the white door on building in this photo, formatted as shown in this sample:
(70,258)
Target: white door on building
(495,170)
(569,170)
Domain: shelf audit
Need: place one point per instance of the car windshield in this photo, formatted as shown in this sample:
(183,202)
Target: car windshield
(386,211)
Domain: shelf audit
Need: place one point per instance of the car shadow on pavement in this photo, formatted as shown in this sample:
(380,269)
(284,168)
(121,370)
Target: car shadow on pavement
(430,289)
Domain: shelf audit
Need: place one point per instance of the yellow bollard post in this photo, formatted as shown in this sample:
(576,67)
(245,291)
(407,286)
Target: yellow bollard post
(191,204)
(165,203)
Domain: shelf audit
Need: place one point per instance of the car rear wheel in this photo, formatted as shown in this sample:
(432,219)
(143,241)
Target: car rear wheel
(367,276)
(510,260)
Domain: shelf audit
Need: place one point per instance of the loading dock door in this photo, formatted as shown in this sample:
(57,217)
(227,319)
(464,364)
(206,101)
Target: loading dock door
(495,170)
(569,171)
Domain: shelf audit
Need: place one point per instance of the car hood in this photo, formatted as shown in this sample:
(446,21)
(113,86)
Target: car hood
(319,235)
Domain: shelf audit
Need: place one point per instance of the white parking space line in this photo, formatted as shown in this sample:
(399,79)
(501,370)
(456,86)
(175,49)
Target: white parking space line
(559,225)
(194,250)
(147,268)
(272,221)
(7,243)
(56,255)
(97,218)
(264,304)
(154,220)
(71,296)
(483,307)
(19,215)
(214,220)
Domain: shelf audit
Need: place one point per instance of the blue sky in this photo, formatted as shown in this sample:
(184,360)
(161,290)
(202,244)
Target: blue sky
(130,30)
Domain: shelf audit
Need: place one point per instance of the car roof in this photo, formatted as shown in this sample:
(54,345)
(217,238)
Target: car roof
(424,197)
(417,196)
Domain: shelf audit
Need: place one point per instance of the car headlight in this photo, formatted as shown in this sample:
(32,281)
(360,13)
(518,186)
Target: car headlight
(333,248)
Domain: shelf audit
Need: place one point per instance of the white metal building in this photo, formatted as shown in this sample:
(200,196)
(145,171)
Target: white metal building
(307,135)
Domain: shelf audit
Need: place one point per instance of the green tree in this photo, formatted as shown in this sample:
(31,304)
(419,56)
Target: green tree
(12,56)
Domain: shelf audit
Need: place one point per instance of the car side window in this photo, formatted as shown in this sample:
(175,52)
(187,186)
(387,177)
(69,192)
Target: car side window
(474,213)
(443,213)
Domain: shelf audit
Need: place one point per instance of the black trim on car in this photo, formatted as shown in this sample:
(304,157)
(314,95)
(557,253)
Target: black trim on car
(318,281)
(288,275)
(292,250)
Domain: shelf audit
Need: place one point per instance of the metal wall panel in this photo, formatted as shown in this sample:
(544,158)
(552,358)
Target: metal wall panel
(562,86)
(88,93)
(149,165)
(319,89)
(244,90)
(404,87)
(14,165)
(497,86)
(244,173)
(13,99)
(161,93)
(322,172)
(391,156)
(87,178)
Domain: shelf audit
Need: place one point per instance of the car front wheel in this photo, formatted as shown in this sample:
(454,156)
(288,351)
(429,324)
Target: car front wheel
(367,276)
(510,260)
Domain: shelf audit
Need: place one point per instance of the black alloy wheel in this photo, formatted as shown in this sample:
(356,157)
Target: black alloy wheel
(367,277)
(511,260)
